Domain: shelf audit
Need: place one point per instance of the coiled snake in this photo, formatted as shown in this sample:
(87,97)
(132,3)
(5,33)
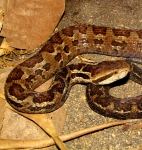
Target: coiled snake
(61,48)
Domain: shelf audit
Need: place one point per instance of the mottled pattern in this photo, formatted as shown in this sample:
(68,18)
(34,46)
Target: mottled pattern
(61,48)
(116,107)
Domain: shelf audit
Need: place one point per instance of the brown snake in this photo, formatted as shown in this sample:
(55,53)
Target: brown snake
(61,48)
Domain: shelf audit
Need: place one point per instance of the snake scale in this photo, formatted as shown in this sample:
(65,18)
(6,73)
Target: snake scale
(60,49)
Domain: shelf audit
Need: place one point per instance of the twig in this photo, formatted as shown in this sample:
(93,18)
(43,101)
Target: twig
(7,144)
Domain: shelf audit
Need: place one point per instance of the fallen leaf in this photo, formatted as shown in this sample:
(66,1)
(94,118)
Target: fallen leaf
(3,75)
(28,24)
(5,48)
(45,122)
(2,109)
(1,17)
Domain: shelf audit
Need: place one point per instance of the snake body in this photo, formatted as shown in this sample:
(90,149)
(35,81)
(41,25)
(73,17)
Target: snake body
(112,106)
(61,48)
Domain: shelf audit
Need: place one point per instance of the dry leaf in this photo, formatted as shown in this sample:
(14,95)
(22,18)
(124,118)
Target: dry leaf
(28,24)
(8,53)
(1,17)
(45,122)
(2,109)
(5,48)
(3,75)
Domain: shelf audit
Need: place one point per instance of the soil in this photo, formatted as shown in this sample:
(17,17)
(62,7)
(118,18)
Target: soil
(109,13)
(114,14)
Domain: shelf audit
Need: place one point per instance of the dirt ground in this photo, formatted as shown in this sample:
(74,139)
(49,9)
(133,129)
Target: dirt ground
(109,13)
(114,14)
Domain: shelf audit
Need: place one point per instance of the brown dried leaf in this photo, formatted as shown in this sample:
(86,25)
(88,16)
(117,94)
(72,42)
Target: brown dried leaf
(14,124)
(3,75)
(5,48)
(8,53)
(27,24)
(1,17)
(43,120)
(2,109)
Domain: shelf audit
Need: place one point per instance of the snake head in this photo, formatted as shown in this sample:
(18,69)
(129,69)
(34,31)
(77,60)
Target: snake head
(108,72)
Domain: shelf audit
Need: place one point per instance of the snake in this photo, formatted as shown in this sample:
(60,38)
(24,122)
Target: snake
(58,51)
(100,99)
